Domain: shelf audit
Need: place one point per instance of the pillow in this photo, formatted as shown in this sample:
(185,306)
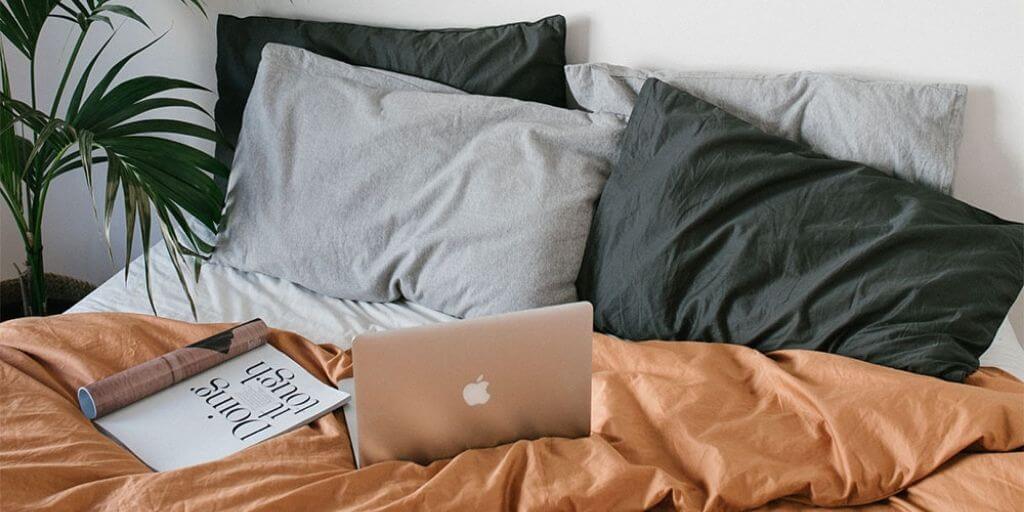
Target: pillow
(368,185)
(710,229)
(908,130)
(518,60)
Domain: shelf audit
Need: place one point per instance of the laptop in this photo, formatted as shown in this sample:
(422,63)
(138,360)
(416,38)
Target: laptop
(427,393)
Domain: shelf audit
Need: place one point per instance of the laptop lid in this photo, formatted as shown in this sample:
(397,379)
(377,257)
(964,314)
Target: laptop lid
(431,392)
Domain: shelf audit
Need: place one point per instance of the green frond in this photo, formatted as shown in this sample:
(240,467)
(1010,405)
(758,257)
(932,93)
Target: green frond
(21,22)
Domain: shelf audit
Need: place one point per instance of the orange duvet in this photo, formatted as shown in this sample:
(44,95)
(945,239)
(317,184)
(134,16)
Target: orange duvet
(690,426)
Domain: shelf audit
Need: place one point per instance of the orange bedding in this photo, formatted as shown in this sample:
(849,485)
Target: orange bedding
(690,426)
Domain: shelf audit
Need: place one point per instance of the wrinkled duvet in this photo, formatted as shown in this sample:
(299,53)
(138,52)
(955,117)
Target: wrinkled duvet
(690,426)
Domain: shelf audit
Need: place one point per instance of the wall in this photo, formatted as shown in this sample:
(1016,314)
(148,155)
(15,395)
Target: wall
(980,44)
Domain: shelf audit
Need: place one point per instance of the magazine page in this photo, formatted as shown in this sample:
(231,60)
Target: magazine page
(243,401)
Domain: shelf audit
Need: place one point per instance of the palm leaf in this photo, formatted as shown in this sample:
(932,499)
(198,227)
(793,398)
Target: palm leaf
(83,80)
(109,199)
(156,177)
(16,150)
(101,87)
(98,112)
(52,136)
(198,4)
(117,122)
(170,179)
(77,4)
(164,167)
(24,113)
(10,159)
(174,251)
(115,171)
(145,224)
(99,10)
(150,126)
(127,112)
(121,10)
(21,22)
(85,147)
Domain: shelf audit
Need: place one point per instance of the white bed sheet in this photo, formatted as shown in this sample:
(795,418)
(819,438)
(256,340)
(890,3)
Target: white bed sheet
(224,294)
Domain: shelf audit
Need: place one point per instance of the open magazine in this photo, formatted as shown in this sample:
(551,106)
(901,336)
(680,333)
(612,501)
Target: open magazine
(208,400)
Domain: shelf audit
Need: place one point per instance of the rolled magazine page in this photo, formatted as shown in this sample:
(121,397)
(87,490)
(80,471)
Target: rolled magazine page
(129,386)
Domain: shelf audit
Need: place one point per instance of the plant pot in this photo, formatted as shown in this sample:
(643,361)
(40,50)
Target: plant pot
(62,291)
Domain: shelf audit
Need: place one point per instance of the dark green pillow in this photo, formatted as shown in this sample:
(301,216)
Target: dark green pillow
(519,60)
(712,230)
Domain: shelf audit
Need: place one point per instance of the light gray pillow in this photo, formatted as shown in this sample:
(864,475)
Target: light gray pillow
(374,186)
(910,130)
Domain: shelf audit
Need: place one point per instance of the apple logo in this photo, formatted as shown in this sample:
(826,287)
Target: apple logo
(475,393)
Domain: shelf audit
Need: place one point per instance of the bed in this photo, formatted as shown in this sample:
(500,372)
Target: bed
(672,422)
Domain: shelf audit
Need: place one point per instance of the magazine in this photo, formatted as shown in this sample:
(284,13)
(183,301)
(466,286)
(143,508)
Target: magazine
(208,400)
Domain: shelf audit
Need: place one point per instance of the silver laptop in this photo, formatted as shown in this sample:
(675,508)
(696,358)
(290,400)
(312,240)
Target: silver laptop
(430,392)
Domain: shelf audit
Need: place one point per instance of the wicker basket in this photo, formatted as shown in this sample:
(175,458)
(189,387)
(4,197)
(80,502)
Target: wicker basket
(62,291)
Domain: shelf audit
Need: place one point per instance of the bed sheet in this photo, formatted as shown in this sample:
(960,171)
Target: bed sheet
(224,294)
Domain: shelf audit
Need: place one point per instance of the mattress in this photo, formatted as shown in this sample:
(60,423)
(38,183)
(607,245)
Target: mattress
(225,294)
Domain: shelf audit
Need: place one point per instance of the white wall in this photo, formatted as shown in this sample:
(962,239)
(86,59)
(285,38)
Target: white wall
(980,44)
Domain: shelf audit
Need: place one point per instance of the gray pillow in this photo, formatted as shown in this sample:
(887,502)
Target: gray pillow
(908,130)
(369,185)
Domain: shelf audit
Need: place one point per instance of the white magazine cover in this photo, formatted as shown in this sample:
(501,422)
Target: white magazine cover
(236,404)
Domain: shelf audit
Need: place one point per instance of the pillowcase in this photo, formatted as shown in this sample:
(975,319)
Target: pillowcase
(908,130)
(710,229)
(368,185)
(518,60)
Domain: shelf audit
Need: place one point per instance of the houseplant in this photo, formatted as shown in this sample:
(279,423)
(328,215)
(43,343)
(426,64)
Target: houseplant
(98,119)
